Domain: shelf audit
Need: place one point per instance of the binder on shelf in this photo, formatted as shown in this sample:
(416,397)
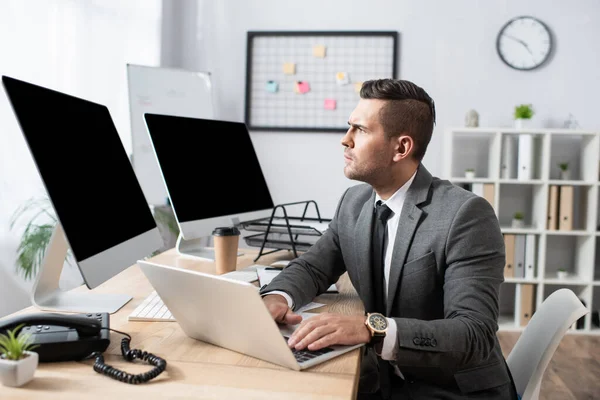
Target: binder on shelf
(525,157)
(485,190)
(553,208)
(524,303)
(287,232)
(489,192)
(509,245)
(477,188)
(565,214)
(530,256)
(519,256)
(508,167)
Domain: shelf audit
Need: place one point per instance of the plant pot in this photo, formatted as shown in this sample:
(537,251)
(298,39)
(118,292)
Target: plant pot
(17,373)
(562,275)
(522,123)
(565,175)
(470,174)
(517,223)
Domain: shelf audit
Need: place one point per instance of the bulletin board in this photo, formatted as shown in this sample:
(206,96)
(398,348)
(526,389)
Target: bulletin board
(310,81)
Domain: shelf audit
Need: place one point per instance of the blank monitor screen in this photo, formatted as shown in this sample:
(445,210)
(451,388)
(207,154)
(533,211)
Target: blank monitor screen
(84,167)
(209,167)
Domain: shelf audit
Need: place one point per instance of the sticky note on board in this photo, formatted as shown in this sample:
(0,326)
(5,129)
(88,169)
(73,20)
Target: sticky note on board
(319,51)
(272,86)
(342,78)
(330,104)
(358,86)
(289,68)
(301,87)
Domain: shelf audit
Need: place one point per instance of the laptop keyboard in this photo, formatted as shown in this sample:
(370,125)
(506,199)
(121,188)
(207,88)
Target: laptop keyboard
(305,355)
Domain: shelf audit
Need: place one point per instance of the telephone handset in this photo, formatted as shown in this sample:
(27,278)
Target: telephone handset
(63,337)
(76,337)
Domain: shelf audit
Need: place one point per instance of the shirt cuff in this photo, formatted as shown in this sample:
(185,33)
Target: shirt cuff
(389,349)
(287,297)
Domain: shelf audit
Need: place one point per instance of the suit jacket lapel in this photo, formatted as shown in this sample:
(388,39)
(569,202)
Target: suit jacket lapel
(409,220)
(362,248)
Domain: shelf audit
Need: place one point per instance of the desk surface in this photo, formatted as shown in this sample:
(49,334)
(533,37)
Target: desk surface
(194,369)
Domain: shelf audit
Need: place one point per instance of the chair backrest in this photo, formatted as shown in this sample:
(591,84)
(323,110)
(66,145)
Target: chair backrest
(535,347)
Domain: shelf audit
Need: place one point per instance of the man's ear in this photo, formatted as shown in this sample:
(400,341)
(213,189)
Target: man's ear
(405,146)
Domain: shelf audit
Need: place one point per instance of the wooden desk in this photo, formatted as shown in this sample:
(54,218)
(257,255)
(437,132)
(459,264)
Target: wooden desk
(194,369)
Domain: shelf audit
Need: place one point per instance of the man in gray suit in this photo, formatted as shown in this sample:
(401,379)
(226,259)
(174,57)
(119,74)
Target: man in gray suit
(426,258)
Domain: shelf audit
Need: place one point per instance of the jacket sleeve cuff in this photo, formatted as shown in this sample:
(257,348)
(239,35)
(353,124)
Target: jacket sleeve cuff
(389,349)
(287,297)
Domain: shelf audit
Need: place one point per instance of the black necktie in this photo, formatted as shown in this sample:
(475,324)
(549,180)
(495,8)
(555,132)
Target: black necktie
(383,212)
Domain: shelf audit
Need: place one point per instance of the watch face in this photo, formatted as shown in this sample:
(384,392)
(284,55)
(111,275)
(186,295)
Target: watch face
(378,322)
(524,43)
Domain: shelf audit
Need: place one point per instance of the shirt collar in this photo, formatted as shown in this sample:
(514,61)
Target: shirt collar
(396,201)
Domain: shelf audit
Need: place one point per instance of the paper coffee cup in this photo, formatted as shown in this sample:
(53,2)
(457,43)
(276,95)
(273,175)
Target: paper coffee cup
(226,248)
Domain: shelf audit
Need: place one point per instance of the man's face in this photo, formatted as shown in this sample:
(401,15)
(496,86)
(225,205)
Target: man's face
(368,154)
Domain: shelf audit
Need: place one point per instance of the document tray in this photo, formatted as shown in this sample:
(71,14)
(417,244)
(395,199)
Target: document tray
(281,241)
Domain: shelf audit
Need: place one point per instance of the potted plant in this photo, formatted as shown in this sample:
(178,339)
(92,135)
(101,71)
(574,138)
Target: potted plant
(37,217)
(562,273)
(470,173)
(17,362)
(523,115)
(565,173)
(517,221)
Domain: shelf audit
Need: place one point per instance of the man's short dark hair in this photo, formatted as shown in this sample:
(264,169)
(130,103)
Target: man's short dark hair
(410,110)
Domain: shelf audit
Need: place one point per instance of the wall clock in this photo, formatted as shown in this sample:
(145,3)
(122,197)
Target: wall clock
(524,43)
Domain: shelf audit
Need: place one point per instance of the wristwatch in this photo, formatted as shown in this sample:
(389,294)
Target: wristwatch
(378,326)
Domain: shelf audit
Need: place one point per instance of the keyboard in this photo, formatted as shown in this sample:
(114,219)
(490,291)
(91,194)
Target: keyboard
(153,308)
(305,355)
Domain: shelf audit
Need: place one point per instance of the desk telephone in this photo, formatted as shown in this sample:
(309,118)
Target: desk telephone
(76,337)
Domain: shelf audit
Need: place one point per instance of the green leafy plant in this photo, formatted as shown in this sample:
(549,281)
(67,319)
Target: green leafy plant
(518,215)
(37,215)
(563,166)
(13,347)
(524,111)
(470,170)
(167,218)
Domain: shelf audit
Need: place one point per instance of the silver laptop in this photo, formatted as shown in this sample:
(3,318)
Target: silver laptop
(230,314)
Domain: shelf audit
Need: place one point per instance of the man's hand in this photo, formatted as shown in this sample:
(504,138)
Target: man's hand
(327,329)
(281,313)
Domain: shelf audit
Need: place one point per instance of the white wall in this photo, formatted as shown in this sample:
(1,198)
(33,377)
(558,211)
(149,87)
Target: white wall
(80,48)
(447,47)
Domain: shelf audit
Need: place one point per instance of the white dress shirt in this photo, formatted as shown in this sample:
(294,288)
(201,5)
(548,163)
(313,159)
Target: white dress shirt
(395,203)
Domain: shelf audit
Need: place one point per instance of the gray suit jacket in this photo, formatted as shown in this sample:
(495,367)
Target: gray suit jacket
(447,267)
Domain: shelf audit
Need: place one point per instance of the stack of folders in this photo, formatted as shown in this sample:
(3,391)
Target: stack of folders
(560,208)
(520,255)
(518,157)
(520,263)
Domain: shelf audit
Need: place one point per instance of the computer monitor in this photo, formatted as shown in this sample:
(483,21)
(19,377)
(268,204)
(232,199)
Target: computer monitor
(212,175)
(90,182)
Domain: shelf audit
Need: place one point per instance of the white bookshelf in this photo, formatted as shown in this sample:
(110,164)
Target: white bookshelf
(577,249)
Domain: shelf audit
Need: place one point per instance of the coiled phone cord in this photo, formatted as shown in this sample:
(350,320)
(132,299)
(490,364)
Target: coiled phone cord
(130,355)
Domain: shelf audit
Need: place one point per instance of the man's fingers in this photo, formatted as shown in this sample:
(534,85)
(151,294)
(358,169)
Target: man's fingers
(323,342)
(291,318)
(315,335)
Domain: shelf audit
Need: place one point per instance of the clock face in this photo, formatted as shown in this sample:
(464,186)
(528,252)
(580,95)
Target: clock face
(378,322)
(524,43)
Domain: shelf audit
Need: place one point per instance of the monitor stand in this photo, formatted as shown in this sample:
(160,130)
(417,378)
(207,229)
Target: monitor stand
(195,248)
(48,296)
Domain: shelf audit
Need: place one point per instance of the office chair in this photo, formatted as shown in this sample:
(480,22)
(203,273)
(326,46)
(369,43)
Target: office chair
(535,347)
